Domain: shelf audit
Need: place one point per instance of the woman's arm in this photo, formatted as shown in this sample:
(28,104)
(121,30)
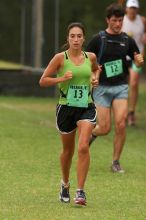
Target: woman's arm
(54,65)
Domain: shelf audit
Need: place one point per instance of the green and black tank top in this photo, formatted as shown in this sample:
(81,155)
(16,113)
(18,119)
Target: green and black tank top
(76,92)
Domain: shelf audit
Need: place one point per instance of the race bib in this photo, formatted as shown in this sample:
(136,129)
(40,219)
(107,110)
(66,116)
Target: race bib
(113,68)
(77,96)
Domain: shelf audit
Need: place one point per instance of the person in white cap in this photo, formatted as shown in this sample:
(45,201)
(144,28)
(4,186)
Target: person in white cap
(135,26)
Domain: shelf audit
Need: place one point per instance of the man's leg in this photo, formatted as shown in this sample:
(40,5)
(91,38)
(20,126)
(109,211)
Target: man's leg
(120,110)
(133,95)
(104,122)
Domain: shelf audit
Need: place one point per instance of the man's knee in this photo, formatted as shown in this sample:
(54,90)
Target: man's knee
(121,126)
(105,129)
(134,84)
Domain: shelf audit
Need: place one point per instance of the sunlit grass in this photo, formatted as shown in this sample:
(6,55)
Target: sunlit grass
(9,65)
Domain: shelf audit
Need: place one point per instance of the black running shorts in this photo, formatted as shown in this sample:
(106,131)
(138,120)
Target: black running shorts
(67,116)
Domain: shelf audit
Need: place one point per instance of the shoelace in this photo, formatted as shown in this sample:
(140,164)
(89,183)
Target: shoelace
(81,194)
(118,166)
(65,191)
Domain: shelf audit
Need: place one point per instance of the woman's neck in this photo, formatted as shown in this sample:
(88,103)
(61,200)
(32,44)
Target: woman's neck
(74,53)
(76,56)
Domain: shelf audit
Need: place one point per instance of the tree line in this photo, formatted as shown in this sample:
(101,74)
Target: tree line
(89,12)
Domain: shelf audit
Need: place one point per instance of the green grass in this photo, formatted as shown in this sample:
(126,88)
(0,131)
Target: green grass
(30,171)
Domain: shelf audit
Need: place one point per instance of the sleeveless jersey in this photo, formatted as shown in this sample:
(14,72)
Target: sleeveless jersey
(135,29)
(80,80)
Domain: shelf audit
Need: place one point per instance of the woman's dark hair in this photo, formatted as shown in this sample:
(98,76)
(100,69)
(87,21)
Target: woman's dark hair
(116,10)
(70,26)
(75,24)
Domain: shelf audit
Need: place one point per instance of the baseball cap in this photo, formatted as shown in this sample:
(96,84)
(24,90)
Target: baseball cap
(132,3)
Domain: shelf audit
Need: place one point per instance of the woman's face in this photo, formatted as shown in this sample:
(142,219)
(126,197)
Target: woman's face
(75,38)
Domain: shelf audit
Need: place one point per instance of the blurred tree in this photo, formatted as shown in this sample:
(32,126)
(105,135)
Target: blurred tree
(10,34)
(37,33)
(90,12)
(10,29)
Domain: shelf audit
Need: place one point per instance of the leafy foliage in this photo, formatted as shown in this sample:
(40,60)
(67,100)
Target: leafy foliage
(89,12)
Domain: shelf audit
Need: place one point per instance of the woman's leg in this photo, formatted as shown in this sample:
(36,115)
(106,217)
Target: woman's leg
(85,130)
(68,141)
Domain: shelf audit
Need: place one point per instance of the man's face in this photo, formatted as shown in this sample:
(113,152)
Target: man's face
(115,24)
(132,12)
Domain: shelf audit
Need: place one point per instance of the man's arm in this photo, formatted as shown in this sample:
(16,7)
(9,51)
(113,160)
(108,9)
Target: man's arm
(144,36)
(133,48)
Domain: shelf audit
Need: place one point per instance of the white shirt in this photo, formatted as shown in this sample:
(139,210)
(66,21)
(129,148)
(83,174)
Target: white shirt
(135,29)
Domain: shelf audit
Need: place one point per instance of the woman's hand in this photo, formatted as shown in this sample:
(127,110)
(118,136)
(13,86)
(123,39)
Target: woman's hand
(67,76)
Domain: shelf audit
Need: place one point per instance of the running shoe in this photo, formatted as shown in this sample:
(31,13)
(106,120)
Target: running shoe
(131,119)
(64,195)
(116,168)
(80,198)
(92,138)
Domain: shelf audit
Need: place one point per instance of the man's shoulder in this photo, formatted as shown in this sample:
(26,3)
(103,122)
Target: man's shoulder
(124,34)
(98,34)
(95,38)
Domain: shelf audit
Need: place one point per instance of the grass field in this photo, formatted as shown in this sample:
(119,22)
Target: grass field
(30,171)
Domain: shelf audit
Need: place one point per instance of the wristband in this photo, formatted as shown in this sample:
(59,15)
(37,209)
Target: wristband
(136,68)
